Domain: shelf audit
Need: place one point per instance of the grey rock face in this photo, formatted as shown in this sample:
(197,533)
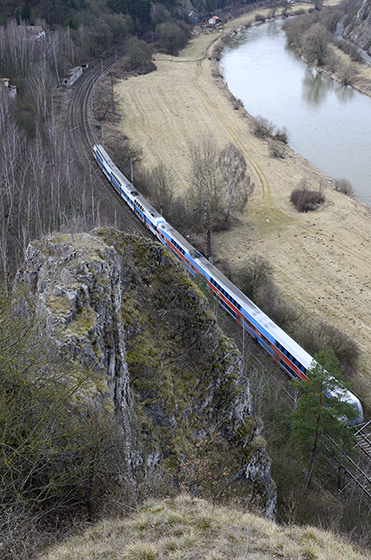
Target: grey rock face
(123,307)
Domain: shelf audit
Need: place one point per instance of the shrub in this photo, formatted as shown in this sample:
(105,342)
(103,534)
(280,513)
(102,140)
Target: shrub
(260,18)
(306,200)
(345,348)
(332,62)
(263,127)
(323,334)
(282,135)
(173,36)
(276,149)
(347,74)
(62,455)
(237,103)
(344,186)
(355,56)
(253,275)
(217,50)
(139,55)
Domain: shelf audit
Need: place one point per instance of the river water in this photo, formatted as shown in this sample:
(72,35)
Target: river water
(328,124)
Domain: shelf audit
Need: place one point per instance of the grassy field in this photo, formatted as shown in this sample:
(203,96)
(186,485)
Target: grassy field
(321,260)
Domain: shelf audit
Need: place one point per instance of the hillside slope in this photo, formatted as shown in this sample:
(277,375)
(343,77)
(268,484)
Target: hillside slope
(189,529)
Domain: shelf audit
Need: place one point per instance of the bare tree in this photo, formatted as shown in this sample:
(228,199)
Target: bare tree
(41,86)
(238,186)
(347,73)
(11,148)
(204,194)
(161,184)
(315,44)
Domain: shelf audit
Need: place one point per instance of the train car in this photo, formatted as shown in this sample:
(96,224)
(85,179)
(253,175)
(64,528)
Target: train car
(291,357)
(139,205)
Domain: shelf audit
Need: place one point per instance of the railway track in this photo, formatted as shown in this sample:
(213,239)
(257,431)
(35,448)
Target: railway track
(83,136)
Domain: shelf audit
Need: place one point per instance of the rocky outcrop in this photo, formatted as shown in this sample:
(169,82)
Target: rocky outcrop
(122,306)
(358,30)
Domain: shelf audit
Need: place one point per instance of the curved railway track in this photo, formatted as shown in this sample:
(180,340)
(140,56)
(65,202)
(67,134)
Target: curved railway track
(83,136)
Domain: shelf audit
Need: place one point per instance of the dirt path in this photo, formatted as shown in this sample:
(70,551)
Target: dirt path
(321,260)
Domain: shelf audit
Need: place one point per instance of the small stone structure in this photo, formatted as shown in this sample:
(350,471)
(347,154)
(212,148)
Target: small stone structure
(71,76)
(12,90)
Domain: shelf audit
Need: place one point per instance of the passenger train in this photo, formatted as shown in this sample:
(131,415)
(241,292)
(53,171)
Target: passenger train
(285,351)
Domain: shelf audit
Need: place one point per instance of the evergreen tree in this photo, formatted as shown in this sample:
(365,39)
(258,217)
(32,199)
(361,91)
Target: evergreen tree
(320,423)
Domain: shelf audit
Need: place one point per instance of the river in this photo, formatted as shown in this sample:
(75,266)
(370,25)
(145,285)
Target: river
(328,124)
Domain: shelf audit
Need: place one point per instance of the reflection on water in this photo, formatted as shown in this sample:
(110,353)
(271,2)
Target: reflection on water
(328,124)
(315,90)
(317,86)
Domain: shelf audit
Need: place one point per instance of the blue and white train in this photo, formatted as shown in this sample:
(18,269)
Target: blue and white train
(285,351)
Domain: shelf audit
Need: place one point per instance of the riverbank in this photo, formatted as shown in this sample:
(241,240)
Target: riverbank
(321,260)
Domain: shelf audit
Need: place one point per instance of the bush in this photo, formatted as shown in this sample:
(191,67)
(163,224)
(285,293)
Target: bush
(332,62)
(139,55)
(346,74)
(263,127)
(306,200)
(344,186)
(345,348)
(276,149)
(237,103)
(61,453)
(282,135)
(355,56)
(253,275)
(260,18)
(173,36)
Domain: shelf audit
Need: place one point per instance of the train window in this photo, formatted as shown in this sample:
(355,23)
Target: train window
(289,370)
(265,339)
(226,306)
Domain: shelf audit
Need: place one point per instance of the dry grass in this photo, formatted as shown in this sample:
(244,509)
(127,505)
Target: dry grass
(322,261)
(188,529)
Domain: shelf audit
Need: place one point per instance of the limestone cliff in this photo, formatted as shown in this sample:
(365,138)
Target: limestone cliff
(358,28)
(123,306)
